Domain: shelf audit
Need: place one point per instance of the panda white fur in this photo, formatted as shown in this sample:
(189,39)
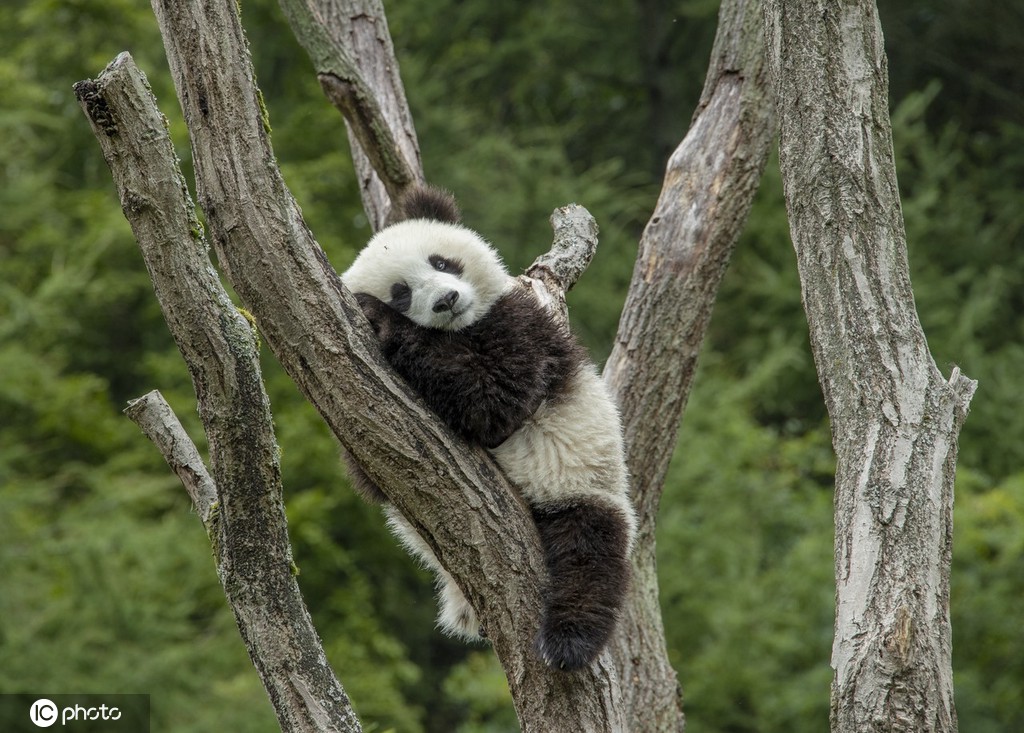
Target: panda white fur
(502,373)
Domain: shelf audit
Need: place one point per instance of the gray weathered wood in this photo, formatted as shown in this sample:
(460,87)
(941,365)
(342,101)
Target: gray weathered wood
(158,422)
(246,522)
(709,187)
(895,419)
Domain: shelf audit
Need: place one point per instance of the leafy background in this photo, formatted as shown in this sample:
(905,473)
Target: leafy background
(108,583)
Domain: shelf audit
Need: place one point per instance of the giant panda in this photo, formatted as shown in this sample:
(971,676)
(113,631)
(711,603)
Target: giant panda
(502,373)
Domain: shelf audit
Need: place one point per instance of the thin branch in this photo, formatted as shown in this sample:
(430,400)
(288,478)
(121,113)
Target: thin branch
(370,129)
(708,190)
(158,422)
(248,529)
(351,50)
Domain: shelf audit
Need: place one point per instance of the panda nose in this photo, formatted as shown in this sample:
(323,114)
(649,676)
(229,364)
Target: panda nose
(446,302)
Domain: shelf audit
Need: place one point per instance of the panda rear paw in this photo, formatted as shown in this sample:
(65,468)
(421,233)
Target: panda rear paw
(586,548)
(569,646)
(457,617)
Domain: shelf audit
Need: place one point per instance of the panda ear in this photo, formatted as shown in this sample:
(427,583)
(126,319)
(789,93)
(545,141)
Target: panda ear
(422,201)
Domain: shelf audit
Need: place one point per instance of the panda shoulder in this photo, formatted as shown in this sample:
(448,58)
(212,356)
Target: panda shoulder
(528,331)
(518,308)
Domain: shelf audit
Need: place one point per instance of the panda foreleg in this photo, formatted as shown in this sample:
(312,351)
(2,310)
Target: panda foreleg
(469,381)
(586,547)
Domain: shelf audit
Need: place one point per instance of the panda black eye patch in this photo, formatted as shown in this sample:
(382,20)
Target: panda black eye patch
(445,264)
(401,297)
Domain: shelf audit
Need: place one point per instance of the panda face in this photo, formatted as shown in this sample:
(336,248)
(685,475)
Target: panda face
(435,296)
(438,275)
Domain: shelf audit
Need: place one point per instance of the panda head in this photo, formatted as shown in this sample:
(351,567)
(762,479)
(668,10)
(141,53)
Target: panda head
(438,274)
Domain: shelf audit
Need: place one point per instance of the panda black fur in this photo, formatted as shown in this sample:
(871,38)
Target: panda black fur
(502,373)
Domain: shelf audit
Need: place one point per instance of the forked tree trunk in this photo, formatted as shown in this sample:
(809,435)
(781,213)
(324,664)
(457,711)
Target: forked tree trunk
(242,504)
(895,419)
(478,527)
(709,187)
(683,254)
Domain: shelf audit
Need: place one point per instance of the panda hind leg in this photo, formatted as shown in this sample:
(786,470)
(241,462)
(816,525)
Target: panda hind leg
(586,548)
(456,616)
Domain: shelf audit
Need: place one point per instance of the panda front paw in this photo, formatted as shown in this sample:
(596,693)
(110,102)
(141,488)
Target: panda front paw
(377,312)
(390,326)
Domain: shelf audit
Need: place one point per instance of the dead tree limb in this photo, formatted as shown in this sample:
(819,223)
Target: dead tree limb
(246,520)
(895,418)
(158,422)
(708,190)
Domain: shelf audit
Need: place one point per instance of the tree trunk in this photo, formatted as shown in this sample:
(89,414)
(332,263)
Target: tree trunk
(242,507)
(350,46)
(895,419)
(708,190)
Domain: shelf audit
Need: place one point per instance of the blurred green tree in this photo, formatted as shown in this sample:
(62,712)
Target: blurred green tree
(520,108)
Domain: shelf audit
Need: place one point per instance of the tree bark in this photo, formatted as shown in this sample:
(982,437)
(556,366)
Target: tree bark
(895,419)
(242,507)
(350,46)
(708,190)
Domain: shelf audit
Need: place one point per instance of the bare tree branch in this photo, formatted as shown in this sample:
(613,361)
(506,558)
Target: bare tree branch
(708,190)
(895,419)
(556,271)
(350,46)
(247,524)
(158,422)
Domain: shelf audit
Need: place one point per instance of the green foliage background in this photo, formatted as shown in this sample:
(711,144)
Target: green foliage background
(108,584)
